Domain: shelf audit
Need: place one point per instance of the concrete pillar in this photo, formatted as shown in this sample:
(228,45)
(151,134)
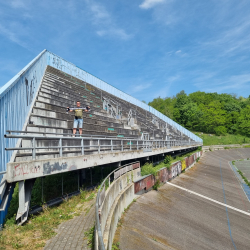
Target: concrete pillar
(21,196)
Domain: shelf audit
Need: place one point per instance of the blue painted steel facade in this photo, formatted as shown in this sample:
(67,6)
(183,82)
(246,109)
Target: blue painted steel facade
(16,99)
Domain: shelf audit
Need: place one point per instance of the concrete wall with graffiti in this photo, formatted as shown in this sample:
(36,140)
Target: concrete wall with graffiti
(145,183)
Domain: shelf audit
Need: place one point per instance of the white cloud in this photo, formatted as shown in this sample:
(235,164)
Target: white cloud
(232,83)
(147,4)
(99,12)
(178,51)
(12,36)
(140,87)
(104,22)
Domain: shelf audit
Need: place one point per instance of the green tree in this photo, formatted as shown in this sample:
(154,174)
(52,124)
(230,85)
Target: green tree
(244,121)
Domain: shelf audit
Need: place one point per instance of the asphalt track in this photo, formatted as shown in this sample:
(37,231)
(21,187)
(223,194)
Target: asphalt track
(203,208)
(244,167)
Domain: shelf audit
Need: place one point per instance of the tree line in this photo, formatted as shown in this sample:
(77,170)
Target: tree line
(207,112)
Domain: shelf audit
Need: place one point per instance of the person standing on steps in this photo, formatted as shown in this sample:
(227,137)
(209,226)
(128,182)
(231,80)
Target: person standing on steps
(78,121)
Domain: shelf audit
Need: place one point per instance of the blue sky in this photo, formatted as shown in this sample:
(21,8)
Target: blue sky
(146,48)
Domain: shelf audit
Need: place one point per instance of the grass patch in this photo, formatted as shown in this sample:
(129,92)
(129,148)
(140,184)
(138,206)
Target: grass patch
(39,228)
(223,139)
(244,178)
(90,236)
(116,246)
(156,185)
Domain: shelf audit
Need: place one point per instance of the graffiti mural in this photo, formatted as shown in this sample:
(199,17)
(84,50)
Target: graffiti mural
(183,165)
(50,168)
(165,174)
(25,170)
(30,88)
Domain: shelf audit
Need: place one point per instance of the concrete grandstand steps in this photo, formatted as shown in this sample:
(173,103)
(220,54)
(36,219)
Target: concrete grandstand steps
(70,98)
(73,84)
(38,121)
(89,117)
(68,93)
(96,113)
(70,89)
(66,121)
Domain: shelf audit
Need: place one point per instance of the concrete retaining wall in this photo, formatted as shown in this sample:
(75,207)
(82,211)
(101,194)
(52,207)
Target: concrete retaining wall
(145,183)
(122,191)
(114,200)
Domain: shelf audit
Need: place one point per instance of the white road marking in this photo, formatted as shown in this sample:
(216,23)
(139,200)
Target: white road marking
(207,198)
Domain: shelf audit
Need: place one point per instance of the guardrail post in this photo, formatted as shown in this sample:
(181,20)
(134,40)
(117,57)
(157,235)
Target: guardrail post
(122,144)
(82,146)
(60,147)
(99,146)
(111,145)
(34,148)
(62,185)
(137,144)
(130,145)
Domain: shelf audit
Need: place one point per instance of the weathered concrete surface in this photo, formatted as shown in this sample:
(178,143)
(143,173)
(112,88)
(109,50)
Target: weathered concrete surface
(17,171)
(70,234)
(176,219)
(222,147)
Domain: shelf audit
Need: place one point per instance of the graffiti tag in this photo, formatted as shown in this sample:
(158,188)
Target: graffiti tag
(49,168)
(24,170)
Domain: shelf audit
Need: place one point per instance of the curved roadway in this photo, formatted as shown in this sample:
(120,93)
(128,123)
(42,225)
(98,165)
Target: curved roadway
(204,208)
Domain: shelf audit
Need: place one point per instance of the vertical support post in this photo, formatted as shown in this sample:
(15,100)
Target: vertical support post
(130,145)
(91,176)
(82,146)
(42,189)
(60,147)
(62,185)
(111,145)
(137,144)
(98,146)
(21,196)
(78,179)
(122,144)
(34,148)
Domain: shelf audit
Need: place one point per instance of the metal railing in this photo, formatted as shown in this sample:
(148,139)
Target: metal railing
(98,144)
(63,134)
(99,201)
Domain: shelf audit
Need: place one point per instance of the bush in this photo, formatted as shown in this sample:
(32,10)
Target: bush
(220,130)
(156,185)
(167,161)
(148,168)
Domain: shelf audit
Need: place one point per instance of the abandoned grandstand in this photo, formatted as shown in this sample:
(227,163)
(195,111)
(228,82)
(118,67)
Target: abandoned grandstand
(36,129)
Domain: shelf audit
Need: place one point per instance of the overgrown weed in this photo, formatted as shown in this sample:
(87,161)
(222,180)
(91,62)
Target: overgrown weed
(39,228)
